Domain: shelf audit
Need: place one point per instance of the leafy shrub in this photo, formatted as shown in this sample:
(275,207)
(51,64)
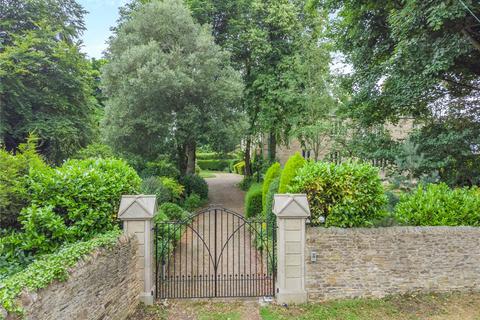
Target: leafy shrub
(253,200)
(43,230)
(273,172)
(195,184)
(175,188)
(154,185)
(95,150)
(239,167)
(173,211)
(346,195)
(193,202)
(14,170)
(246,183)
(84,193)
(438,205)
(214,164)
(294,163)
(48,268)
(160,168)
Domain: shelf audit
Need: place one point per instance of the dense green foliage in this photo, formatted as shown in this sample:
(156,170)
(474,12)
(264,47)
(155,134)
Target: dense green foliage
(167,83)
(345,195)
(84,193)
(14,170)
(253,201)
(272,173)
(239,167)
(438,205)
(268,205)
(193,202)
(154,185)
(214,155)
(195,184)
(293,164)
(214,164)
(160,168)
(420,60)
(95,150)
(50,267)
(45,81)
(173,211)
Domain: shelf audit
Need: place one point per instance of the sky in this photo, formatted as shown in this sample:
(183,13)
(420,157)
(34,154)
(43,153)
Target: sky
(102,14)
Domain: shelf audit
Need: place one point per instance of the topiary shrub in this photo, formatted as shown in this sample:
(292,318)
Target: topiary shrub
(239,167)
(195,184)
(173,211)
(438,205)
(294,163)
(193,202)
(272,173)
(349,194)
(160,168)
(253,200)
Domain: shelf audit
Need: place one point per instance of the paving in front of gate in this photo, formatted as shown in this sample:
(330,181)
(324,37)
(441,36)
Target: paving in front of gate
(221,239)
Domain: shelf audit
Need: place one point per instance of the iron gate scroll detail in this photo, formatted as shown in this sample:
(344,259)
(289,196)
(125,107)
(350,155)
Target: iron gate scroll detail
(215,253)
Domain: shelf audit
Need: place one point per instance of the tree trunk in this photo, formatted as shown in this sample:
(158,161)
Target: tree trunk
(182,160)
(190,149)
(248,165)
(272,147)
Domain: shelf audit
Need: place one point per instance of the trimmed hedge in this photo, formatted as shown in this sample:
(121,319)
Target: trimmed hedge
(239,167)
(50,267)
(438,205)
(253,200)
(272,173)
(349,194)
(214,164)
(294,163)
(214,156)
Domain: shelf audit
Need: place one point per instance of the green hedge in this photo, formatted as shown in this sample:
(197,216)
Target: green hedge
(272,173)
(438,205)
(215,156)
(195,184)
(50,267)
(253,200)
(239,167)
(294,163)
(214,164)
(346,195)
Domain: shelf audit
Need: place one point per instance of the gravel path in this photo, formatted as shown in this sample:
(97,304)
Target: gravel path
(224,192)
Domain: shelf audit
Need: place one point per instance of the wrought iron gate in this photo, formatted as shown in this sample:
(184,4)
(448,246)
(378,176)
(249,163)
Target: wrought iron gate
(215,253)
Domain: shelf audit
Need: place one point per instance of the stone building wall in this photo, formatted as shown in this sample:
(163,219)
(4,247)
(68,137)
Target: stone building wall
(376,262)
(104,285)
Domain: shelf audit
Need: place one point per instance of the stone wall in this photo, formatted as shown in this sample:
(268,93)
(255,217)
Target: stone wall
(377,262)
(104,285)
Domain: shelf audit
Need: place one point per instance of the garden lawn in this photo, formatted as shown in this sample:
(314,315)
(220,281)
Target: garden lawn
(452,306)
(207,174)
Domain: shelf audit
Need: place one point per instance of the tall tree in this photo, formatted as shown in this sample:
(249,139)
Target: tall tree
(265,41)
(417,59)
(168,85)
(45,82)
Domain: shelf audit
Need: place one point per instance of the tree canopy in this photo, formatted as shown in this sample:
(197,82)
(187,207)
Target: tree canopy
(45,82)
(168,84)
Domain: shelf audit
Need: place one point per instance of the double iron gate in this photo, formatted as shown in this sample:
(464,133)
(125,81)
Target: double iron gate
(215,253)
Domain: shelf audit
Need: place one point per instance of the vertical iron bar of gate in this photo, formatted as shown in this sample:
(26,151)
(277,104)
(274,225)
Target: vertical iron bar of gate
(215,255)
(156,258)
